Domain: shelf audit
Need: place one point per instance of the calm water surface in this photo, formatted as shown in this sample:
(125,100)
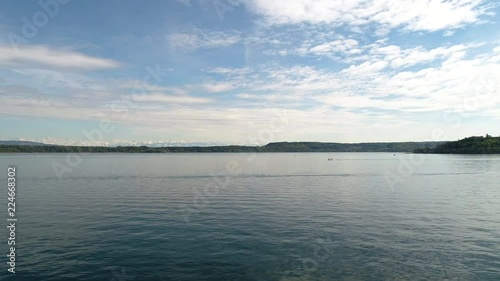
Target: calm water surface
(361,216)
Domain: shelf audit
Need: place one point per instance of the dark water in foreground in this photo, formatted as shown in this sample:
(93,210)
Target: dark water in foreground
(364,216)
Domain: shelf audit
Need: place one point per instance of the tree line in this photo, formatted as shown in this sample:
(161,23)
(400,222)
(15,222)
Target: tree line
(471,145)
(272,147)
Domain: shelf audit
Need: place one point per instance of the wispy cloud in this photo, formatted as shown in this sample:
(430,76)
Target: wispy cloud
(197,38)
(48,57)
(343,46)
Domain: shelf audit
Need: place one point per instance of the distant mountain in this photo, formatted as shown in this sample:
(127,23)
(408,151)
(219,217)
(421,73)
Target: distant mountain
(472,145)
(23,143)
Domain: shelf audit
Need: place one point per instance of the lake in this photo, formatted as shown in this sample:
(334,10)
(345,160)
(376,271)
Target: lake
(290,216)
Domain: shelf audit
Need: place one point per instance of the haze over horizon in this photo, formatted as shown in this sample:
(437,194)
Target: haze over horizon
(248,72)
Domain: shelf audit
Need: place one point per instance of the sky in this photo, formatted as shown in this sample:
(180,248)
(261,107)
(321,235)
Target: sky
(248,72)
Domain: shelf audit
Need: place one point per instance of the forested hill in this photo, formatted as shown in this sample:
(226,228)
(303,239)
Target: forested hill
(272,147)
(348,147)
(472,145)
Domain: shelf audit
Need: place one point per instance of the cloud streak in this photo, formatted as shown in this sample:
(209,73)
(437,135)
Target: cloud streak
(48,57)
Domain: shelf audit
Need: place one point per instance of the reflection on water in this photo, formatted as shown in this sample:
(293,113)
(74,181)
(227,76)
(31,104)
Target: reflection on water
(258,217)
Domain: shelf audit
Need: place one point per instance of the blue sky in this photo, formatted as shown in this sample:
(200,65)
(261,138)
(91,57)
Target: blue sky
(248,72)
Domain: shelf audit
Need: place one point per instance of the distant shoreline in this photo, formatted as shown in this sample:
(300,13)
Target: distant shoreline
(471,145)
(294,147)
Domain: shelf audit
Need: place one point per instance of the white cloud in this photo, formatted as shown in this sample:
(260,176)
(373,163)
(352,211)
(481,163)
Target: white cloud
(199,39)
(415,15)
(343,46)
(383,81)
(449,33)
(398,57)
(40,55)
(367,67)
